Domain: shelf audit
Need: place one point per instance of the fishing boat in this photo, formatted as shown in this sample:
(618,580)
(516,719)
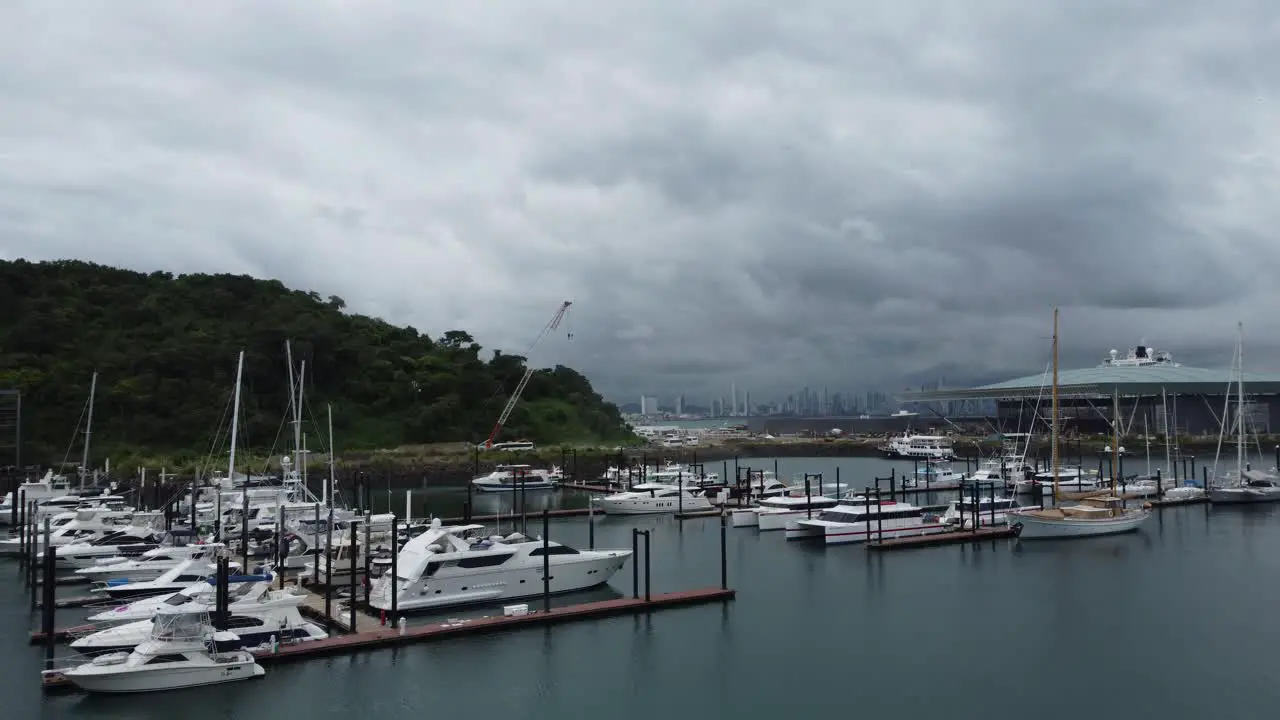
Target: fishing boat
(1103,513)
(181,652)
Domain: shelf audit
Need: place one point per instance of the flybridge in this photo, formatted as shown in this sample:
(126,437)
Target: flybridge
(1139,356)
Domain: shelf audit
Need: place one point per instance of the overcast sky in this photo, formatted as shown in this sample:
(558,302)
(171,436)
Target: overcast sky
(847,192)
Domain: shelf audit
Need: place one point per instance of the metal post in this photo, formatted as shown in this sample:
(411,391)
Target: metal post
(32,567)
(591,522)
(328,570)
(546,561)
(837,481)
(352,582)
(48,610)
(394,583)
(808,498)
(315,549)
(635,564)
(724,554)
(646,567)
(368,556)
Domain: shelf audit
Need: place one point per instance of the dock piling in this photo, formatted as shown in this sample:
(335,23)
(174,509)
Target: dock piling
(647,586)
(47,612)
(546,562)
(394,584)
(351,604)
(724,554)
(328,571)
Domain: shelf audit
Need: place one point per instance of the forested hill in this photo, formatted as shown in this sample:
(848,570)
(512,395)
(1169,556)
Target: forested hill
(165,351)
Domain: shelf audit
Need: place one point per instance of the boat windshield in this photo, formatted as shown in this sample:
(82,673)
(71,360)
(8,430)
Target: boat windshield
(178,626)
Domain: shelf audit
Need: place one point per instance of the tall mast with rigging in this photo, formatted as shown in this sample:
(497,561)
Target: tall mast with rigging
(1053,425)
(1240,399)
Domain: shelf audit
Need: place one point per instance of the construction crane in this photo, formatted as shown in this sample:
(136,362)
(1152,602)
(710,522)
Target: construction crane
(528,372)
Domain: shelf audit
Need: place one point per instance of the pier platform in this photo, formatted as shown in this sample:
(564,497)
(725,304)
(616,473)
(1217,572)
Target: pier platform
(386,637)
(586,487)
(699,514)
(955,537)
(63,634)
(80,602)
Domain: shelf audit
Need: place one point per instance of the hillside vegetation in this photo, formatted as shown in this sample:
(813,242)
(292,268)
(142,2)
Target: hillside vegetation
(165,349)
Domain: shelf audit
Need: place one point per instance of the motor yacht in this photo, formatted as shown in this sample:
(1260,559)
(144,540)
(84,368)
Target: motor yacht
(240,588)
(181,652)
(511,478)
(653,498)
(773,513)
(850,523)
(85,526)
(172,580)
(151,563)
(129,541)
(448,566)
(259,621)
(990,511)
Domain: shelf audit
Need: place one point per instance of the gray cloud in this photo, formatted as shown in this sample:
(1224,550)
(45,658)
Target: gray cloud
(850,194)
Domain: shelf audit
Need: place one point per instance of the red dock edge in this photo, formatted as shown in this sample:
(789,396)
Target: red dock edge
(386,637)
(954,537)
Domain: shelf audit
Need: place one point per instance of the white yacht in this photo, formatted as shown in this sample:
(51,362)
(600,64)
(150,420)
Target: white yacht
(127,542)
(867,521)
(257,622)
(923,447)
(1252,486)
(150,564)
(653,498)
(512,478)
(348,538)
(1070,479)
(50,486)
(991,512)
(447,566)
(774,513)
(172,580)
(85,526)
(180,652)
(240,588)
(935,476)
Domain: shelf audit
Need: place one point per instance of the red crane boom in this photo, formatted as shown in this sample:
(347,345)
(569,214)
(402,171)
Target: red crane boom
(528,372)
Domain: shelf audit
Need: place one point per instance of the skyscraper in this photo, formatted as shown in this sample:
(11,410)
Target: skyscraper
(733,399)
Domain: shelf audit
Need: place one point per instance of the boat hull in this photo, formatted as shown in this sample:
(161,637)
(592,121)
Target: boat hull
(110,679)
(844,533)
(1032,527)
(744,517)
(528,485)
(1235,496)
(651,506)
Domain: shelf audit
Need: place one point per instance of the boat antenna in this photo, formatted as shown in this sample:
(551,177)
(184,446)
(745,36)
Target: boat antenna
(1053,425)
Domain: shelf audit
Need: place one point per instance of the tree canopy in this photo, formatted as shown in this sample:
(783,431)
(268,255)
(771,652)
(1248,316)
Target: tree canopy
(165,347)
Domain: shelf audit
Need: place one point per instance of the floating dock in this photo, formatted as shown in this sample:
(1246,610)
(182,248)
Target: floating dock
(64,634)
(700,514)
(79,602)
(586,487)
(386,637)
(954,537)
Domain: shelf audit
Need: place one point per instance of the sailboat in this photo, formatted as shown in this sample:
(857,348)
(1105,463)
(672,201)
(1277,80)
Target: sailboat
(1251,486)
(1103,514)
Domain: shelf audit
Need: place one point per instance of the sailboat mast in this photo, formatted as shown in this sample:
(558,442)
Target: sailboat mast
(293,401)
(1240,398)
(235,424)
(1168,448)
(88,430)
(301,450)
(1115,435)
(328,492)
(1053,425)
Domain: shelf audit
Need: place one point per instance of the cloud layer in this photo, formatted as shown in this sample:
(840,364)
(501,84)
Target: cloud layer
(845,193)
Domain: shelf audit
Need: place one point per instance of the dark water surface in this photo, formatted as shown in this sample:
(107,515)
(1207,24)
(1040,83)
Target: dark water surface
(1177,621)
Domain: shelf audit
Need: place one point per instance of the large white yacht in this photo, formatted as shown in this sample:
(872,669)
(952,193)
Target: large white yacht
(50,486)
(512,478)
(652,499)
(867,521)
(447,566)
(180,652)
(128,542)
(922,447)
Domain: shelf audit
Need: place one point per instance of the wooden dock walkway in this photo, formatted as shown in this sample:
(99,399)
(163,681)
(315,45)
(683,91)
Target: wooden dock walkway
(386,637)
(506,517)
(1177,502)
(955,537)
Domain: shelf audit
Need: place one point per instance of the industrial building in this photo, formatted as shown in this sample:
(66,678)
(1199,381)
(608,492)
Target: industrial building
(1152,389)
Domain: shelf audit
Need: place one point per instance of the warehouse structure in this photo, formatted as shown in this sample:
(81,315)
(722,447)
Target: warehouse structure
(1154,392)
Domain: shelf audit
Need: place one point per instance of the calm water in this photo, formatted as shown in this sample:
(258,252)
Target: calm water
(1177,621)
